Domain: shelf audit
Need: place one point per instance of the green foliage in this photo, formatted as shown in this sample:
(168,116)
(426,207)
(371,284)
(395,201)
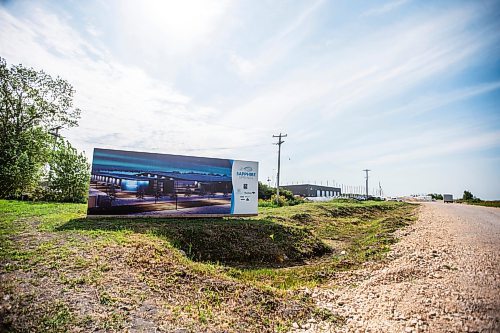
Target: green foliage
(469,198)
(69,174)
(231,242)
(22,159)
(279,201)
(479,202)
(291,200)
(267,203)
(265,191)
(33,99)
(467,195)
(436,196)
(267,197)
(32,103)
(57,318)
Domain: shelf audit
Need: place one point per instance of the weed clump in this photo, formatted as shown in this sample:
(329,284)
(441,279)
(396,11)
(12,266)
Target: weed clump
(303,217)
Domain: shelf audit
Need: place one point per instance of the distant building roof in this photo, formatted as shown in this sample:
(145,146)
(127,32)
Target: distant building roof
(310,190)
(314,186)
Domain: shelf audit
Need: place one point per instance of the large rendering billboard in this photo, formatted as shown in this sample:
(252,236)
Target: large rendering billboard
(148,184)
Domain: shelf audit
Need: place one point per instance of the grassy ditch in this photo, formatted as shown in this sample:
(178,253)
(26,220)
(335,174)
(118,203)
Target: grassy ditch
(485,203)
(60,272)
(231,242)
(355,232)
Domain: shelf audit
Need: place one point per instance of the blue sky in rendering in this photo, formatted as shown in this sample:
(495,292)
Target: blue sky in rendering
(118,160)
(408,89)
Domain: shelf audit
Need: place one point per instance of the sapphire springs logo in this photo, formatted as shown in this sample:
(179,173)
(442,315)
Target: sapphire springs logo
(246,172)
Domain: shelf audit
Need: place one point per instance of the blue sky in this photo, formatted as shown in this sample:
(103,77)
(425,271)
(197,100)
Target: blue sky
(408,89)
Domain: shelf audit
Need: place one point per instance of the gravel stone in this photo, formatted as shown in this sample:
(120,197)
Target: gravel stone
(442,276)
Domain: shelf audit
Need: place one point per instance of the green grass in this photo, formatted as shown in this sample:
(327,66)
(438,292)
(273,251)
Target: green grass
(254,248)
(57,318)
(211,274)
(363,230)
(233,242)
(491,203)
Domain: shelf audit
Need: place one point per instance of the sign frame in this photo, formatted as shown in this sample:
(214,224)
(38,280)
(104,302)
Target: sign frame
(133,184)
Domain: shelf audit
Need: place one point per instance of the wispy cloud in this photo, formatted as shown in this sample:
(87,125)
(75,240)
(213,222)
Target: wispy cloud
(443,148)
(435,101)
(278,45)
(380,68)
(385,8)
(407,149)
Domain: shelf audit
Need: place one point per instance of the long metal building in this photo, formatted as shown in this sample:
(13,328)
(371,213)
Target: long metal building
(309,190)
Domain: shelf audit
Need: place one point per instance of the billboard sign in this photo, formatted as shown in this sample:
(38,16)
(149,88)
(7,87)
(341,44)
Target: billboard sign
(148,184)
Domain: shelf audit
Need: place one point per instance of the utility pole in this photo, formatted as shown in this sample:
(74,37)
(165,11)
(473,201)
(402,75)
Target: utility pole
(366,170)
(55,133)
(279,143)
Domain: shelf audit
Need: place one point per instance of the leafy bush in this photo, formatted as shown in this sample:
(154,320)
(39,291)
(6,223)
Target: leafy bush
(467,196)
(267,203)
(279,201)
(21,162)
(436,196)
(69,174)
(265,191)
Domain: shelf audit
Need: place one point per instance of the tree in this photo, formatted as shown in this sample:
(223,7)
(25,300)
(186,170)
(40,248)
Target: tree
(265,191)
(32,103)
(286,197)
(467,195)
(22,161)
(69,174)
(436,196)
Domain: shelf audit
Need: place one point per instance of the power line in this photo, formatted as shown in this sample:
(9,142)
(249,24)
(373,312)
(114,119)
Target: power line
(279,143)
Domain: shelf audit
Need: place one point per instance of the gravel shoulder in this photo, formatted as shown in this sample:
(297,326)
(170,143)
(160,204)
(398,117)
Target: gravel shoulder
(443,276)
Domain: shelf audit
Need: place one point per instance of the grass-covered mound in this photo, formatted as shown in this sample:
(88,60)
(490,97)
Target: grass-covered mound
(230,241)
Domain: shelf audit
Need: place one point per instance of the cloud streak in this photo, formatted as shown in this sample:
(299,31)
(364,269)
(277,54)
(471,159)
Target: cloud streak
(384,9)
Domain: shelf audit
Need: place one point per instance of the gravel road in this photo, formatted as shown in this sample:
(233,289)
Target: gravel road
(443,276)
